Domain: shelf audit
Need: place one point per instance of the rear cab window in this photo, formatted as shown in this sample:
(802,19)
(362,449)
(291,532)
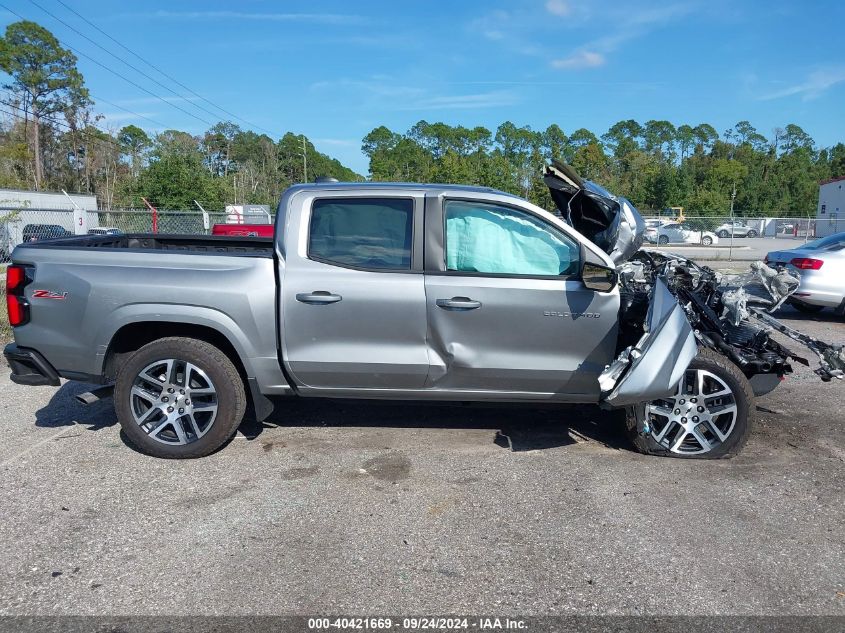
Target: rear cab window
(362,233)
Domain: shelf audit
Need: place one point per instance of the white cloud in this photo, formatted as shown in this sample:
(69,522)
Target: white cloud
(336,142)
(465,102)
(558,7)
(816,84)
(636,22)
(580,59)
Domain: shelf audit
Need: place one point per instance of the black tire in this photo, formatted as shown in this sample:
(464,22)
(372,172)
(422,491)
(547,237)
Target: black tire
(752,233)
(663,240)
(722,233)
(807,308)
(706,240)
(743,394)
(230,396)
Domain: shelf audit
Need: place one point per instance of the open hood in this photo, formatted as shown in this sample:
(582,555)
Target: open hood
(610,222)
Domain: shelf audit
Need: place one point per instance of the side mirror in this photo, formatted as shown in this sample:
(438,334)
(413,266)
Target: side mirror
(597,277)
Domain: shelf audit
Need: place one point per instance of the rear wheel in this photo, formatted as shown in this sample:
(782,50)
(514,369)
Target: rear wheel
(706,240)
(710,415)
(722,233)
(662,240)
(179,398)
(752,233)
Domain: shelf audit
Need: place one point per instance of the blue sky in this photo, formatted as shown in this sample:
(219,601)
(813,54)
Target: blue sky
(335,70)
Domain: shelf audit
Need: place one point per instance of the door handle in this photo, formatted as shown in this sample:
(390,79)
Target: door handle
(458,303)
(318,297)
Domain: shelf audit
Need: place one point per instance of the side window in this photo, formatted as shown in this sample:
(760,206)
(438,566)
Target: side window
(374,233)
(487,238)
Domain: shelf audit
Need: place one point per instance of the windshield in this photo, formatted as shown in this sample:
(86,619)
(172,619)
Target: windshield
(837,240)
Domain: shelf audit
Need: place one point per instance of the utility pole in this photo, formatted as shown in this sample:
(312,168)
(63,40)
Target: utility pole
(731,249)
(304,161)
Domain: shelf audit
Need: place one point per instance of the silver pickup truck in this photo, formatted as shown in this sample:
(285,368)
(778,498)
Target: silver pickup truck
(393,291)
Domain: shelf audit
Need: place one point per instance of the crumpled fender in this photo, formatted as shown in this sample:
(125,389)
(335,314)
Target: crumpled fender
(652,368)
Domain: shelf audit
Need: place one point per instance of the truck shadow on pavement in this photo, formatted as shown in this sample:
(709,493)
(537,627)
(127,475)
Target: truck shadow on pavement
(518,427)
(64,410)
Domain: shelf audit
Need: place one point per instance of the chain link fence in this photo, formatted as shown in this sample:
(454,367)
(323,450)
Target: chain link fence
(18,226)
(717,229)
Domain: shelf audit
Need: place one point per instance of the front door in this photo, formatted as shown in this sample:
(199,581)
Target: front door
(353,296)
(507,311)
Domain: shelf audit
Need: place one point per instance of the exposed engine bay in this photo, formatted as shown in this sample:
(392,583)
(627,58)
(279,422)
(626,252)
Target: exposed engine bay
(730,316)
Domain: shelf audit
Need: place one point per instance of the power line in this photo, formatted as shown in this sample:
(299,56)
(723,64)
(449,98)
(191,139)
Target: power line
(67,128)
(120,59)
(161,72)
(117,74)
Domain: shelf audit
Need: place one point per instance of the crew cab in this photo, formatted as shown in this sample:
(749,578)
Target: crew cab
(381,291)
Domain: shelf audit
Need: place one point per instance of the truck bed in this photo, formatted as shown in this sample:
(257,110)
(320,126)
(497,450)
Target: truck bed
(141,242)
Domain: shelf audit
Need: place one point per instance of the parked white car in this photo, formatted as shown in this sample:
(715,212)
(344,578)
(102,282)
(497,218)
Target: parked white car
(738,228)
(676,233)
(821,265)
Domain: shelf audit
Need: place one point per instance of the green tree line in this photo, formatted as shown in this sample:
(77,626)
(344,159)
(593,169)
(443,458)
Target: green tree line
(51,139)
(654,164)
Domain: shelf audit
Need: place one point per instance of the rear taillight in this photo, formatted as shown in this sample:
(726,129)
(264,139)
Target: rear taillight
(807,263)
(16,304)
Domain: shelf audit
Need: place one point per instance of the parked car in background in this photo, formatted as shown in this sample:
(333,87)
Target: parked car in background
(35,232)
(677,233)
(105,230)
(738,228)
(821,265)
(785,227)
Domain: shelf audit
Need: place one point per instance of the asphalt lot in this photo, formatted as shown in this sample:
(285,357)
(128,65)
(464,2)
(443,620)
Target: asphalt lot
(743,248)
(408,509)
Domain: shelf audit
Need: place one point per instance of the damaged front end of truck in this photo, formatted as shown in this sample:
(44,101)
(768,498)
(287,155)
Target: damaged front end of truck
(670,306)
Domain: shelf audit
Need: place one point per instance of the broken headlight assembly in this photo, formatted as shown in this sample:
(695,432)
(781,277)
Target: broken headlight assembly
(730,316)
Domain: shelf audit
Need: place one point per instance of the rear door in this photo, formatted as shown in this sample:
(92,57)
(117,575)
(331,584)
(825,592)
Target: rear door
(353,313)
(507,312)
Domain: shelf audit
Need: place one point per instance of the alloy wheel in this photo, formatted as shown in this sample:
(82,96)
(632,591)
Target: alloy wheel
(698,418)
(173,401)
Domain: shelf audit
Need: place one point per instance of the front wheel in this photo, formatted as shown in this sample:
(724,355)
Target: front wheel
(663,240)
(710,415)
(706,240)
(179,398)
(752,233)
(722,233)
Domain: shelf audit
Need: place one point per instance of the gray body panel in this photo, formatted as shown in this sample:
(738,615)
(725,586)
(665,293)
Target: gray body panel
(660,357)
(381,335)
(109,289)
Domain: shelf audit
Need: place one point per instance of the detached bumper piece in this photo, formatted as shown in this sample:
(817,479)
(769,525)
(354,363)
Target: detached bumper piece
(29,367)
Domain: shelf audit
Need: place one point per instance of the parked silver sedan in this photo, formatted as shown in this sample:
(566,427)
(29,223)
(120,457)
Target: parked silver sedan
(821,265)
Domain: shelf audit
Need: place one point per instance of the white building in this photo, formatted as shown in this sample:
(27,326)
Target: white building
(20,198)
(830,217)
(20,208)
